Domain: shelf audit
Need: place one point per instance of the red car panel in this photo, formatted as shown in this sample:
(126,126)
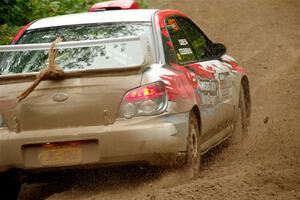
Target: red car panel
(114,5)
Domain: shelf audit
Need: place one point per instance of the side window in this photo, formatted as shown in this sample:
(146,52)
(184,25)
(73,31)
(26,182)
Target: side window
(182,48)
(198,41)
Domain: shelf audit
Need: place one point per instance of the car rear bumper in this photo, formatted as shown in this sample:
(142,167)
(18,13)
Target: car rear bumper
(143,139)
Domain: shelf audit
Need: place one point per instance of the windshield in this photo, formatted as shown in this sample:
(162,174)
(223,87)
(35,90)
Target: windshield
(113,50)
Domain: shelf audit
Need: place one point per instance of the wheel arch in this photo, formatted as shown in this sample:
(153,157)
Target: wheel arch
(196,110)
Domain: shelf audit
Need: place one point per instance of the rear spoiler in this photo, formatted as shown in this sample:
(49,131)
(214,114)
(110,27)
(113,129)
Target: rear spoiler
(114,5)
(65,45)
(77,44)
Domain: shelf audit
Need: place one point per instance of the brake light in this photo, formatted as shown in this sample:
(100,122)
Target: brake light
(146,100)
(145,92)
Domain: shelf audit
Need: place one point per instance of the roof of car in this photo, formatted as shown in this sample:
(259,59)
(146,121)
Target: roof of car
(136,15)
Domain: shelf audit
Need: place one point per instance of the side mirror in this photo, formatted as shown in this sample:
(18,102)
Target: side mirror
(218,49)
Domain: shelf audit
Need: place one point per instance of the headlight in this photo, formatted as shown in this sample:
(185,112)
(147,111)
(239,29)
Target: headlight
(149,99)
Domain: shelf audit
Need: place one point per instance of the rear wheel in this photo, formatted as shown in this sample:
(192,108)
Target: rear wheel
(193,147)
(10,184)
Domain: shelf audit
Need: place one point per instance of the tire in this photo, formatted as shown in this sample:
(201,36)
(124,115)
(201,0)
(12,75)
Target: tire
(10,185)
(193,159)
(243,112)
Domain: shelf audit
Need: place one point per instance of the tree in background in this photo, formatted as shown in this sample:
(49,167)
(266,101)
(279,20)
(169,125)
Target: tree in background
(17,13)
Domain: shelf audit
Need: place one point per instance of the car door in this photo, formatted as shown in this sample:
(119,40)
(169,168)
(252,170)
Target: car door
(187,53)
(194,51)
(204,51)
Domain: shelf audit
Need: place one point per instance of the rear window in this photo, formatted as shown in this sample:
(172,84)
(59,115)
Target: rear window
(83,47)
(85,32)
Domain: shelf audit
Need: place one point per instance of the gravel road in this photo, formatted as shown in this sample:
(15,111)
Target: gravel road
(264,36)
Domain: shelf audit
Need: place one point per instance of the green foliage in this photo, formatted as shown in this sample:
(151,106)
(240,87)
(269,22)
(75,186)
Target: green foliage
(17,13)
(144,3)
(7,33)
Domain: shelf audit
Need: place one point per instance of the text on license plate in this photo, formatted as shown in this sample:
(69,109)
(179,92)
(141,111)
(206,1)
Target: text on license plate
(61,156)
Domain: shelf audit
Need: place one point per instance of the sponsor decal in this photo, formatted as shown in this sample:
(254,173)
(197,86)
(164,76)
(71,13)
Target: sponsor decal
(173,24)
(185,51)
(208,91)
(202,71)
(207,85)
(180,86)
(234,66)
(183,42)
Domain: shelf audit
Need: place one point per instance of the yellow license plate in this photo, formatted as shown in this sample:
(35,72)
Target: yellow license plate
(61,156)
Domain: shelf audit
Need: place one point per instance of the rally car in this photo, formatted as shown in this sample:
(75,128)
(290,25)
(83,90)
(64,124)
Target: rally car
(135,86)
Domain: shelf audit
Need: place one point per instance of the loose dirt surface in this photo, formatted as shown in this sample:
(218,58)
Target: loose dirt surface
(264,36)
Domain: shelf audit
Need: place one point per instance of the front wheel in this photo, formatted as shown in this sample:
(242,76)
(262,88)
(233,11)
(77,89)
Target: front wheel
(243,112)
(193,147)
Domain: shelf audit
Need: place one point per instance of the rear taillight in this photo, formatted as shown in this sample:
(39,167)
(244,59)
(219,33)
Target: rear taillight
(146,100)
